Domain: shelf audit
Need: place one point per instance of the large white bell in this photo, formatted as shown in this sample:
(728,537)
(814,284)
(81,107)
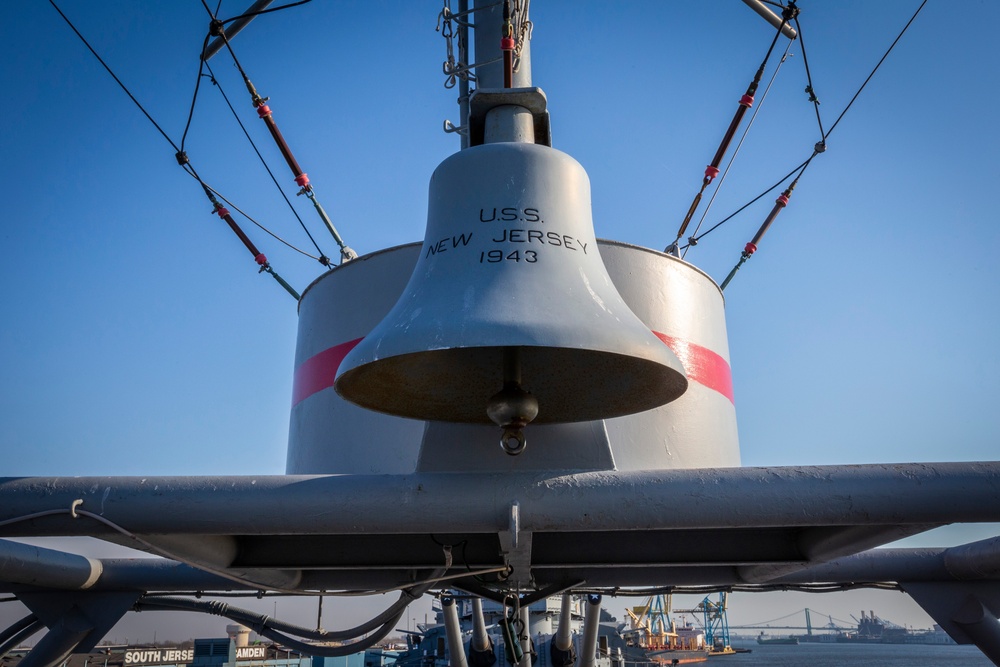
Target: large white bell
(510,277)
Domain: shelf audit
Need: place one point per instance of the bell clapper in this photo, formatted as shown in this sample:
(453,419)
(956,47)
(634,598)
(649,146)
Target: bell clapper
(512,408)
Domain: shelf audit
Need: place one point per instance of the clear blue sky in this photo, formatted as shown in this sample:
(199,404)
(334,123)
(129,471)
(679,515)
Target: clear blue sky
(137,337)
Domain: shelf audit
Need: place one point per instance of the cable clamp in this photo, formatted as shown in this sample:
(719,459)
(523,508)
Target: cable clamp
(72,508)
(216,28)
(182,158)
(790,12)
(820,146)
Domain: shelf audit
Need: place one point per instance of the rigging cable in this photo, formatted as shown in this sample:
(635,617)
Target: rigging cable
(250,15)
(693,239)
(782,201)
(194,97)
(322,259)
(264,112)
(810,91)
(184,162)
(712,170)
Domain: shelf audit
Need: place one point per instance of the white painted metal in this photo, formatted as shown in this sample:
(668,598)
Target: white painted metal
(329,435)
(513,262)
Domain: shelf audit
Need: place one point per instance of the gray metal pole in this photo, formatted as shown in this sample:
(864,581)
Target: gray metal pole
(564,637)
(234,28)
(60,641)
(463,83)
(37,566)
(591,623)
(982,626)
(480,640)
(489,23)
(897,495)
(453,631)
(525,637)
(765,12)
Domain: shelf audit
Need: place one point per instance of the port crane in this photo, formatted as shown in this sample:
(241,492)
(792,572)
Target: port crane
(650,623)
(715,620)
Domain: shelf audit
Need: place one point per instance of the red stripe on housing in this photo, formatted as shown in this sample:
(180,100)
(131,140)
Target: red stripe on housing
(319,371)
(702,365)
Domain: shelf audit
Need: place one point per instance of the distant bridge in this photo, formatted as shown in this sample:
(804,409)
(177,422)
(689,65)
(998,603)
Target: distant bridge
(833,625)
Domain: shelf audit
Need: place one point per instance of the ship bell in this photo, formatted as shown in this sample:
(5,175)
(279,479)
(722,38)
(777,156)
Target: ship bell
(510,315)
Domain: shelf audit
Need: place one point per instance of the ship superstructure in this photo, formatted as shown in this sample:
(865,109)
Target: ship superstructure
(602,371)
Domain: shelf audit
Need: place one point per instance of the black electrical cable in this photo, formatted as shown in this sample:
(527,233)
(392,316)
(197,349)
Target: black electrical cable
(809,82)
(888,51)
(194,98)
(117,80)
(265,625)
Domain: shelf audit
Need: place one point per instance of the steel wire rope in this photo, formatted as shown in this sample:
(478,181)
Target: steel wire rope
(821,145)
(772,620)
(322,255)
(736,151)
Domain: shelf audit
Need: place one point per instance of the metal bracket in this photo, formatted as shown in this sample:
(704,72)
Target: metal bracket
(77,620)
(515,545)
(532,99)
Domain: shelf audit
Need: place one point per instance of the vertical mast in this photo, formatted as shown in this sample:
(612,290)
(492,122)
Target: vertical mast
(489,25)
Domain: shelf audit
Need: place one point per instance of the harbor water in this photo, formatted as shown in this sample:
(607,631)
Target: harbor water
(869,655)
